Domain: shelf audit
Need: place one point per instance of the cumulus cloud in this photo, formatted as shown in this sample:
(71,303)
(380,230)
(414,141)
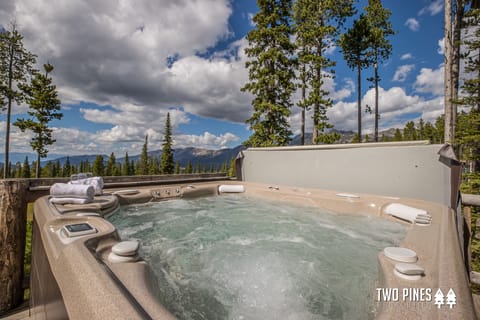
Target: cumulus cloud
(112,52)
(430,81)
(402,72)
(434,8)
(406,56)
(137,60)
(394,104)
(441,46)
(207,140)
(412,24)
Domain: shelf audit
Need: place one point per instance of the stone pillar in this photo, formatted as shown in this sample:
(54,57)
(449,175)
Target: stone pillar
(13,219)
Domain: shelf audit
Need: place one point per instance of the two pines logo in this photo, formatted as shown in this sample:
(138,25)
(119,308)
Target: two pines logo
(418,295)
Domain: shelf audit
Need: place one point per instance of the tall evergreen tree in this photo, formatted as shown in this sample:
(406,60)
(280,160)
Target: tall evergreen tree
(17,170)
(409,132)
(126,165)
(47,170)
(270,73)
(398,135)
(177,167)
(167,165)
(189,167)
(98,166)
(380,48)
(317,24)
(109,168)
(469,122)
(354,45)
(16,64)
(26,169)
(142,167)
(67,168)
(44,104)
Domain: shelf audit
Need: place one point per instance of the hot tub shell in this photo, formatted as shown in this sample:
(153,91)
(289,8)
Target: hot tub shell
(75,279)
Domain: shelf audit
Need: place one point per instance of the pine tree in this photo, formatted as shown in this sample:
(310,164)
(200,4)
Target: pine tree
(421,130)
(188,167)
(67,168)
(47,170)
(317,24)
(167,163)
(398,135)
(17,171)
(16,64)
(380,48)
(57,169)
(468,122)
(271,74)
(109,168)
(98,166)
(26,169)
(197,167)
(354,45)
(231,170)
(126,165)
(177,167)
(42,98)
(142,167)
(409,132)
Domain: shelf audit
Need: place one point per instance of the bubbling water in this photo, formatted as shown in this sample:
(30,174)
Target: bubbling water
(235,257)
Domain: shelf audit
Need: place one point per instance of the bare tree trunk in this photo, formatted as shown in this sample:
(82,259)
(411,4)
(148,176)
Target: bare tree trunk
(303,107)
(316,108)
(359,102)
(13,219)
(376,100)
(37,169)
(448,83)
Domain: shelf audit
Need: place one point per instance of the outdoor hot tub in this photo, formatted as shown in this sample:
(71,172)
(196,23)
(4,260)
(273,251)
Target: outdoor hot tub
(258,250)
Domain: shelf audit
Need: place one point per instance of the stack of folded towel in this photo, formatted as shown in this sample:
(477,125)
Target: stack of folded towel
(96,182)
(65,193)
(411,214)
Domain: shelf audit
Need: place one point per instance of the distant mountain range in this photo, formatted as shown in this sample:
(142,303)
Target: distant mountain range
(206,157)
(183,156)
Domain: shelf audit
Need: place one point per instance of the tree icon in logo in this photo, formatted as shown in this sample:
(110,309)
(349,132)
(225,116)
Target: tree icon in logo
(451,298)
(439,298)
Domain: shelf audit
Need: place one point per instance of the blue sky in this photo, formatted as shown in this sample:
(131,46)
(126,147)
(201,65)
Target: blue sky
(120,66)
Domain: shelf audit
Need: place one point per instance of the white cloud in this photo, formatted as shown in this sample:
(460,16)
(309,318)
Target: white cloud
(434,8)
(207,140)
(412,24)
(441,46)
(138,59)
(250,19)
(402,72)
(111,52)
(406,56)
(344,92)
(430,81)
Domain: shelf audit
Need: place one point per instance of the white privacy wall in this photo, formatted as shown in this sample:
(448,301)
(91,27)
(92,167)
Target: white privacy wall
(405,169)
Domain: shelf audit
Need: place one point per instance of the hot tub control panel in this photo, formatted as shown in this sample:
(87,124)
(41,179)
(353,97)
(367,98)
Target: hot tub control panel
(78,229)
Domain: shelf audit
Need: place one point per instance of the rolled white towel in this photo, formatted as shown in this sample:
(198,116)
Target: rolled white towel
(65,200)
(405,212)
(96,182)
(65,190)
